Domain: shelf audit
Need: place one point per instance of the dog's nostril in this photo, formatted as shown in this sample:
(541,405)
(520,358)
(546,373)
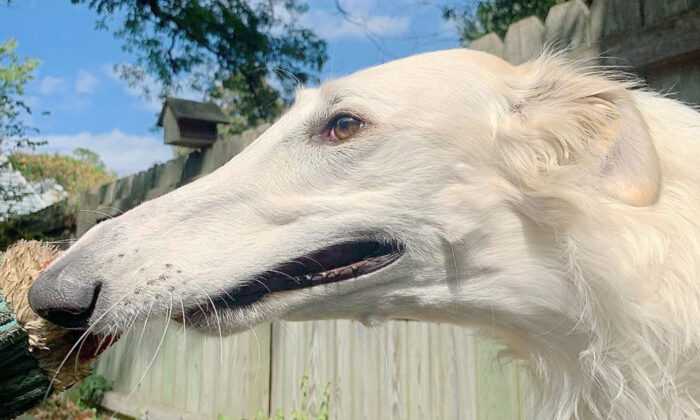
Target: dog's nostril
(71,316)
(64,303)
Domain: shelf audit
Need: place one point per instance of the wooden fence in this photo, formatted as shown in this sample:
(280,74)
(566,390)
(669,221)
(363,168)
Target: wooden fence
(399,370)
(657,39)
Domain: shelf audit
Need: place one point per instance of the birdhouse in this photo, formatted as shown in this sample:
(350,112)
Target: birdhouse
(190,123)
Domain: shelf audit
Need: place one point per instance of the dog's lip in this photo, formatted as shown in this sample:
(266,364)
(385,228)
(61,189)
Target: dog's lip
(348,260)
(92,345)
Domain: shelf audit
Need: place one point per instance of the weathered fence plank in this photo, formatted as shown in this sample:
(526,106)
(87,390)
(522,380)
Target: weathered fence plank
(398,370)
(568,24)
(490,43)
(614,17)
(498,387)
(193,378)
(524,40)
(656,11)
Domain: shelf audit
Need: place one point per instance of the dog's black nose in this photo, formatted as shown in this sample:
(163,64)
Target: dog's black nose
(64,299)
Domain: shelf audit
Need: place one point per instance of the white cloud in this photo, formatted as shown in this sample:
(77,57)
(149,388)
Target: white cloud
(85,82)
(50,84)
(125,153)
(362,20)
(333,27)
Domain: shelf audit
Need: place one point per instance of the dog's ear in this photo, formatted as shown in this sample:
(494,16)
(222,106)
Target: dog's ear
(568,125)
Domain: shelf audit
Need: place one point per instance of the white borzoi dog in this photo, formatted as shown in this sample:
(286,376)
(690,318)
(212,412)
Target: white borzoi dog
(550,203)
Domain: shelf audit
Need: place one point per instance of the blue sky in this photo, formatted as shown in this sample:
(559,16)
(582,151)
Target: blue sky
(90,107)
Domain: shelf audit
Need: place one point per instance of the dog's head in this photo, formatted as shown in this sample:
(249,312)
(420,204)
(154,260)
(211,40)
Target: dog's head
(432,187)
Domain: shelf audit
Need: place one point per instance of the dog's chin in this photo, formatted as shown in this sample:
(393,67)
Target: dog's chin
(228,321)
(275,292)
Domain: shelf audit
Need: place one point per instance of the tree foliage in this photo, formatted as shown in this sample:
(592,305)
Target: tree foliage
(15,73)
(226,49)
(495,16)
(86,155)
(74,174)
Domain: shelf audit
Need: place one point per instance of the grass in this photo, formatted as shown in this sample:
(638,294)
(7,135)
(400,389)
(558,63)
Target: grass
(58,406)
(92,389)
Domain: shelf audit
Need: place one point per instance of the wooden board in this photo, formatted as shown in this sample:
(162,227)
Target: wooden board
(195,377)
(398,370)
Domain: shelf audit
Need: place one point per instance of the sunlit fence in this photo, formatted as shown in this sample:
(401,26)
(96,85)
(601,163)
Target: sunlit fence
(400,370)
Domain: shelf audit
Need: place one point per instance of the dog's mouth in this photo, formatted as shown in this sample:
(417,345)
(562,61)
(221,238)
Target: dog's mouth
(91,345)
(335,263)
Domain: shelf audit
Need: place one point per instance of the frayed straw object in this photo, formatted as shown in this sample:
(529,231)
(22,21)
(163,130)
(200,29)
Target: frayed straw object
(26,339)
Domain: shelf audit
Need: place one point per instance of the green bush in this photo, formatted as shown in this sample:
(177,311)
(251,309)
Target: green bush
(91,390)
(75,174)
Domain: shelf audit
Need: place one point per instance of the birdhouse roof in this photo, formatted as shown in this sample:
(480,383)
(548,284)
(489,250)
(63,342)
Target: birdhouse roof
(193,110)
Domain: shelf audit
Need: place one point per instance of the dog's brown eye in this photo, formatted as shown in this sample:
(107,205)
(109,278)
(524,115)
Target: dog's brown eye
(344,127)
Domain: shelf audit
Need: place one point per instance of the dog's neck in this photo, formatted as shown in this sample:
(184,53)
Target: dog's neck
(602,311)
(630,350)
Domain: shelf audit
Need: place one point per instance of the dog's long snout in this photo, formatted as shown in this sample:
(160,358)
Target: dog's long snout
(64,298)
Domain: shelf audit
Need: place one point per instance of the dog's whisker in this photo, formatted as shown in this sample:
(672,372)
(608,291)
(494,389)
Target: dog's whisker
(262,283)
(128,335)
(114,208)
(62,241)
(257,366)
(201,309)
(184,325)
(289,74)
(155,355)
(286,275)
(145,324)
(298,263)
(101,213)
(306,257)
(114,336)
(384,352)
(218,321)
(77,354)
(133,322)
(102,340)
(229,296)
(77,343)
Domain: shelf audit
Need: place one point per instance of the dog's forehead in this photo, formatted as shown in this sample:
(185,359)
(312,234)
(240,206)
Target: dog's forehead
(416,72)
(401,81)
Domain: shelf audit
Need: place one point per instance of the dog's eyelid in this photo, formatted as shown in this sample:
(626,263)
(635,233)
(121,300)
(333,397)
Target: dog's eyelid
(343,114)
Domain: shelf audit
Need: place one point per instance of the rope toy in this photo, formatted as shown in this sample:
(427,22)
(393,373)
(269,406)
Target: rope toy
(33,350)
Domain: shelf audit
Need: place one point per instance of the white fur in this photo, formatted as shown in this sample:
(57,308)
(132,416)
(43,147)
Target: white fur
(549,202)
